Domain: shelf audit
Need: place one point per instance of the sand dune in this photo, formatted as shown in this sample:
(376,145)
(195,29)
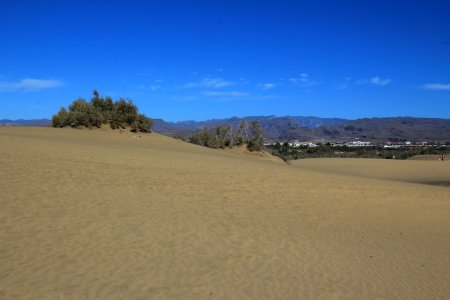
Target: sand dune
(424,171)
(94,214)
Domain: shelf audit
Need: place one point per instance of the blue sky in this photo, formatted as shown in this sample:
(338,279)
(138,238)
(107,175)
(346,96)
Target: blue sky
(180,60)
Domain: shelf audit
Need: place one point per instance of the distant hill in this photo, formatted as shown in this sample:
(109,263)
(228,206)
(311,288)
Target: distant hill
(290,128)
(300,128)
(398,129)
(172,129)
(22,122)
(273,126)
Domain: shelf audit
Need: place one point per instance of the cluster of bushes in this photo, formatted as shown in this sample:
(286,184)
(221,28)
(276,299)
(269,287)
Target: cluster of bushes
(287,152)
(389,153)
(118,114)
(227,136)
(284,151)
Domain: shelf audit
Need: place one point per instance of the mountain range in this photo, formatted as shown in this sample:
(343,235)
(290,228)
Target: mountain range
(273,126)
(288,128)
(399,129)
(24,122)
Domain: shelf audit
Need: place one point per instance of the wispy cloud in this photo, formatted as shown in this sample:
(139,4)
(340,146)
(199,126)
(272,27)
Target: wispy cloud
(225,94)
(437,86)
(210,82)
(30,84)
(381,82)
(304,80)
(304,77)
(152,87)
(375,81)
(266,86)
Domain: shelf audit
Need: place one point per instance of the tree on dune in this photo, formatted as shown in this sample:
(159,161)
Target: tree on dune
(119,114)
(256,141)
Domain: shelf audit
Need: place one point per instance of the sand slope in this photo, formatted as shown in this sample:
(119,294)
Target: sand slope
(101,215)
(423,171)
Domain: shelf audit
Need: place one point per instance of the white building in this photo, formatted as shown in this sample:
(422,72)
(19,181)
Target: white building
(295,144)
(358,144)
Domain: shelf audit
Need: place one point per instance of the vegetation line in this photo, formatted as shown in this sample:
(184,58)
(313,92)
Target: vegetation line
(288,152)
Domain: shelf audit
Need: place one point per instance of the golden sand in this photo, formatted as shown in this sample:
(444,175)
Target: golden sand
(94,214)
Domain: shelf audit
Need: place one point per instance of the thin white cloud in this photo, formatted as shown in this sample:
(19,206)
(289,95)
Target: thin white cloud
(210,82)
(152,87)
(224,94)
(437,86)
(375,81)
(304,80)
(266,86)
(30,84)
(381,82)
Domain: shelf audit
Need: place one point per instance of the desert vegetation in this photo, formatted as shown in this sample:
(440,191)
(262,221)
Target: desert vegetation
(224,136)
(256,141)
(98,111)
(287,152)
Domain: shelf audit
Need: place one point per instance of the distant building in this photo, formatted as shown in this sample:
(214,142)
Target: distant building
(391,146)
(307,144)
(295,144)
(358,144)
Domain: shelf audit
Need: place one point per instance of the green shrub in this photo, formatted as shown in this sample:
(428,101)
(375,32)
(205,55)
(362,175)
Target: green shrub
(205,138)
(61,119)
(256,142)
(98,111)
(82,113)
(142,124)
(239,137)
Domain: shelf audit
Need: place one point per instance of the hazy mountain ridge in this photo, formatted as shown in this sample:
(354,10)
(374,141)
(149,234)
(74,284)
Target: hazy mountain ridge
(395,129)
(288,128)
(24,122)
(273,126)
(388,129)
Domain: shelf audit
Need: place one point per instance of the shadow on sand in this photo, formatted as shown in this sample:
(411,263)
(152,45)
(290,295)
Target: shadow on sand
(436,183)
